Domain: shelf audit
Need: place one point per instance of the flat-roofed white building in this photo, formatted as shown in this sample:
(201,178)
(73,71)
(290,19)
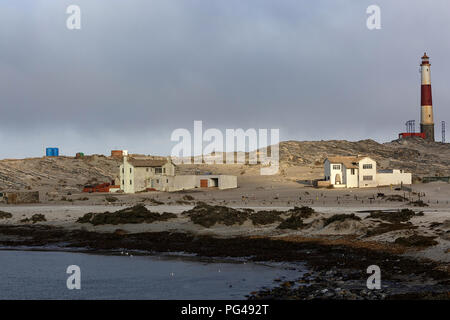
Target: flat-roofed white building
(360,172)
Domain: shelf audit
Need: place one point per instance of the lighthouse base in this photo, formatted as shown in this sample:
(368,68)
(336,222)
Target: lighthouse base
(428,129)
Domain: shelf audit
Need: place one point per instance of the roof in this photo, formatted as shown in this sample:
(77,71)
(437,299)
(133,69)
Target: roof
(147,162)
(350,162)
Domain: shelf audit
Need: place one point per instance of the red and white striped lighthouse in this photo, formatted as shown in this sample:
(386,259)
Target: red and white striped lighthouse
(426,118)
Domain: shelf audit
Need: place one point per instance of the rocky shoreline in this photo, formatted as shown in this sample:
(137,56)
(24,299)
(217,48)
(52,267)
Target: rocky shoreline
(338,270)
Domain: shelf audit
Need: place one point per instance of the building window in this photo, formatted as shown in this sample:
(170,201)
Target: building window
(164,170)
(336,167)
(123,170)
(367,166)
(367,178)
(157,181)
(146,169)
(167,180)
(352,172)
(130,170)
(123,182)
(131,182)
(158,170)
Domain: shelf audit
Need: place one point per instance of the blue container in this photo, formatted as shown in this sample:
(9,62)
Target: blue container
(52,152)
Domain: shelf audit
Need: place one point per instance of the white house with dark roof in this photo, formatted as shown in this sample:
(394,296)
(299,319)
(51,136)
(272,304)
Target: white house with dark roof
(360,172)
(145,174)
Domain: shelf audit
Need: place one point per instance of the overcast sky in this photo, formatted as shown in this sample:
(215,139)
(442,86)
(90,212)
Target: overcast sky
(139,69)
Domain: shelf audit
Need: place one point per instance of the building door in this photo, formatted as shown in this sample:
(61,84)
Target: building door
(337,180)
(203,183)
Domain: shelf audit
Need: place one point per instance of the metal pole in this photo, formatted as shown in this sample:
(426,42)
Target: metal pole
(443,131)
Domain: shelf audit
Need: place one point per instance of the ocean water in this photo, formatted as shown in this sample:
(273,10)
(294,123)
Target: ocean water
(42,275)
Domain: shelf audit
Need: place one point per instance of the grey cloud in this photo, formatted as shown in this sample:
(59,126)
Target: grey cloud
(139,69)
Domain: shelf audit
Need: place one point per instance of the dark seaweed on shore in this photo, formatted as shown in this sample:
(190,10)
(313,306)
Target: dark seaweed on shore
(340,217)
(293,222)
(394,217)
(388,227)
(208,215)
(417,241)
(34,218)
(5,215)
(265,217)
(296,217)
(137,214)
(202,214)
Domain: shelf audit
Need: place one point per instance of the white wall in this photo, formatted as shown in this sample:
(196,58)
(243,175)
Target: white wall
(332,172)
(351,179)
(169,169)
(182,182)
(394,178)
(227,182)
(126,176)
(185,182)
(426,74)
(367,172)
(121,177)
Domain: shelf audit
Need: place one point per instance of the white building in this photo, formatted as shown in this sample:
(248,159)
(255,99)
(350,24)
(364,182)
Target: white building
(361,172)
(141,174)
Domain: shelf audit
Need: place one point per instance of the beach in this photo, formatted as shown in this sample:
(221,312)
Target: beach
(355,224)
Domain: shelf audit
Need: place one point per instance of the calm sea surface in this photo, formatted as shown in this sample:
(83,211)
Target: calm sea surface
(42,275)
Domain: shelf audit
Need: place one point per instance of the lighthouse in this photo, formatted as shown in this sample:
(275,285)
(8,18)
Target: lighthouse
(426,115)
